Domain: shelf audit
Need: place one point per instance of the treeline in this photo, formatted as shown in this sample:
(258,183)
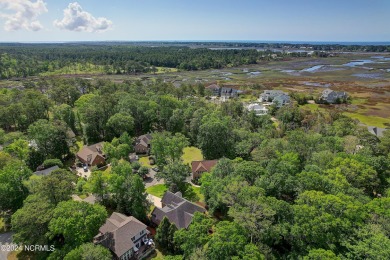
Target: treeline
(22,60)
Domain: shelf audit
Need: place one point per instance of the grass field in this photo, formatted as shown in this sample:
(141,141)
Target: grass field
(192,193)
(144,161)
(191,154)
(370,120)
(157,190)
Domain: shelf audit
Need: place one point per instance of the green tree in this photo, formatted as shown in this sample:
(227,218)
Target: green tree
(89,251)
(196,235)
(77,222)
(120,123)
(228,240)
(167,147)
(174,175)
(58,186)
(321,254)
(12,189)
(19,149)
(50,138)
(30,223)
(215,137)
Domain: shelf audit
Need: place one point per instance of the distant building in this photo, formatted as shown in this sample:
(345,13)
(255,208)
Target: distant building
(47,171)
(92,155)
(227,93)
(142,144)
(269,95)
(126,237)
(281,100)
(331,96)
(376,130)
(199,167)
(276,97)
(176,209)
(258,109)
(215,90)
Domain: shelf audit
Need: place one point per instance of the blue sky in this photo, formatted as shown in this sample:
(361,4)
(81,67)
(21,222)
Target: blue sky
(132,20)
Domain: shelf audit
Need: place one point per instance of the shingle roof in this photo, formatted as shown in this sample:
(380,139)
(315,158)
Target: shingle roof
(121,229)
(89,153)
(204,166)
(47,171)
(178,210)
(144,140)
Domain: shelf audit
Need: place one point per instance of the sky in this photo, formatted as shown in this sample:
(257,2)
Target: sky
(208,20)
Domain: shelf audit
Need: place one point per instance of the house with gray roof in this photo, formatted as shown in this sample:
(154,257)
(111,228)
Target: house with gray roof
(332,97)
(258,109)
(275,96)
(126,237)
(376,130)
(47,171)
(281,100)
(269,95)
(176,209)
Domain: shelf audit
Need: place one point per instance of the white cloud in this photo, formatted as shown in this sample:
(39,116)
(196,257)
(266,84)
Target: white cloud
(22,14)
(76,19)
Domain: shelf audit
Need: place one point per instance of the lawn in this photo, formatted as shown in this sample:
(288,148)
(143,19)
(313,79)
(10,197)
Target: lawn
(157,190)
(144,161)
(192,193)
(191,154)
(2,226)
(369,120)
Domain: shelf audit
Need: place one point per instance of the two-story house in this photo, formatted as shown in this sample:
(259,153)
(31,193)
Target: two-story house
(126,237)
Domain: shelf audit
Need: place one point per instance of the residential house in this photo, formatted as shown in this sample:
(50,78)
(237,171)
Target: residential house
(331,96)
(215,90)
(176,209)
(376,130)
(281,100)
(126,237)
(258,109)
(47,171)
(227,93)
(142,144)
(199,167)
(92,155)
(269,95)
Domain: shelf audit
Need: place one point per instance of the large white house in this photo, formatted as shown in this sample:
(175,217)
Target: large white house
(258,109)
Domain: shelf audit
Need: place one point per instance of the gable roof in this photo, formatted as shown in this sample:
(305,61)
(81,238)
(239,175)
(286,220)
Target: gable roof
(47,171)
(143,140)
(121,229)
(89,153)
(376,130)
(178,210)
(204,166)
(213,87)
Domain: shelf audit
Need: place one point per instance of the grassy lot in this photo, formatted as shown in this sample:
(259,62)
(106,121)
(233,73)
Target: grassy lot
(369,120)
(2,226)
(144,161)
(157,190)
(191,154)
(192,193)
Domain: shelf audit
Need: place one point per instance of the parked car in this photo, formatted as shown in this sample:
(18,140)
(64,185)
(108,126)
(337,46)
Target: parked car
(85,168)
(156,169)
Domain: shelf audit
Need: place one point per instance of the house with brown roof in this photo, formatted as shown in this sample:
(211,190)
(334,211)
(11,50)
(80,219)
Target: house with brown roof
(92,155)
(199,167)
(142,144)
(126,237)
(176,209)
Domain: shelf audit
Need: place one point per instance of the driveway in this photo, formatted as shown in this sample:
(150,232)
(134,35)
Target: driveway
(82,173)
(5,238)
(156,201)
(151,179)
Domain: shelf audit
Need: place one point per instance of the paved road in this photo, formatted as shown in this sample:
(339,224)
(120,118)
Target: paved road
(5,238)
